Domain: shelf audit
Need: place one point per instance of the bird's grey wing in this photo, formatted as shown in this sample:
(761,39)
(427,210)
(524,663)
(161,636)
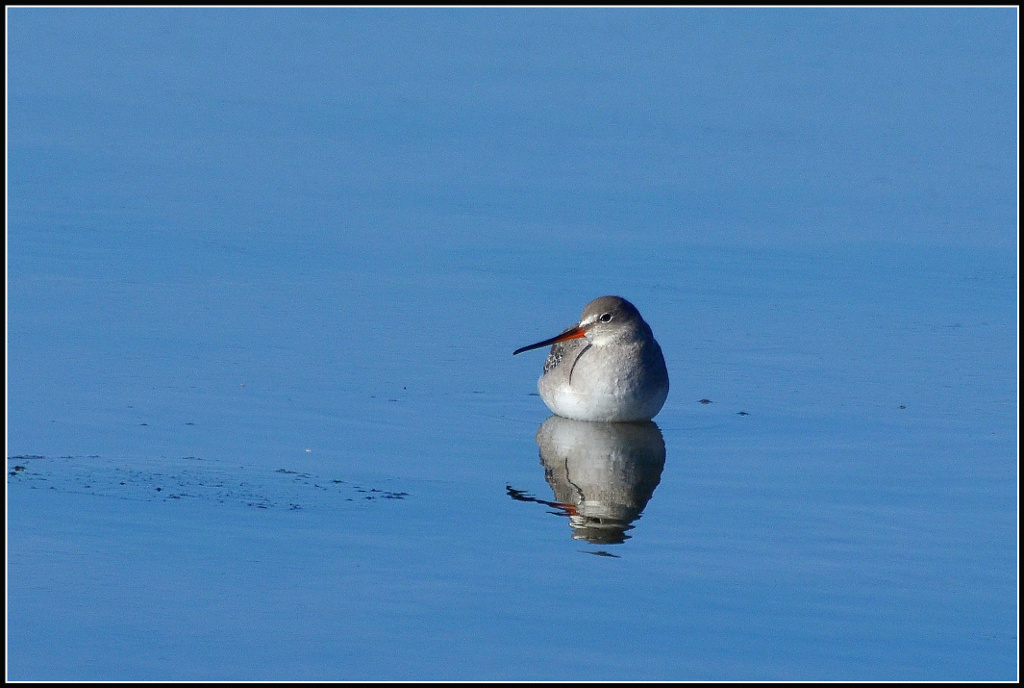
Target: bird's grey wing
(568,350)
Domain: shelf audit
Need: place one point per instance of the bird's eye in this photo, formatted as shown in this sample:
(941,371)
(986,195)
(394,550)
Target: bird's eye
(606,317)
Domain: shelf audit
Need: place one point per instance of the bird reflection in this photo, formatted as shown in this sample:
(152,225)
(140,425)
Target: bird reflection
(602,474)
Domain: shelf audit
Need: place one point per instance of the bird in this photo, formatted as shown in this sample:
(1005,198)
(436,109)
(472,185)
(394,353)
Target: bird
(606,368)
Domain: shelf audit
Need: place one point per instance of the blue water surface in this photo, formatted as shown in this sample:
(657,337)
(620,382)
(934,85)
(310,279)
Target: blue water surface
(266,269)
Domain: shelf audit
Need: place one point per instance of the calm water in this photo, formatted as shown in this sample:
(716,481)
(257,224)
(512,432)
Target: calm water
(266,269)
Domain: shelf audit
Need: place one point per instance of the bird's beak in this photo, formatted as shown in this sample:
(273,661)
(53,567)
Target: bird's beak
(574,332)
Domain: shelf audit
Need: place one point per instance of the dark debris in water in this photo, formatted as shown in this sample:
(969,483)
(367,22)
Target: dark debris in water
(190,478)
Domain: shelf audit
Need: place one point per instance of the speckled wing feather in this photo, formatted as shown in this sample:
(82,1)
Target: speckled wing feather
(561,350)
